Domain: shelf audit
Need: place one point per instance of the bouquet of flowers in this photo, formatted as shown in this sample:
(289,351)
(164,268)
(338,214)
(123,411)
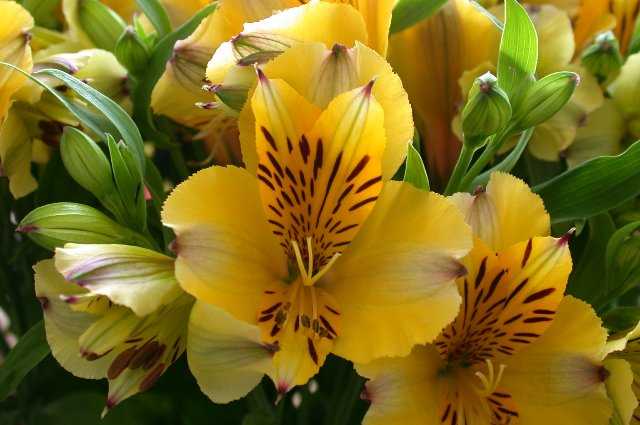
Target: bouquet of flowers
(266,212)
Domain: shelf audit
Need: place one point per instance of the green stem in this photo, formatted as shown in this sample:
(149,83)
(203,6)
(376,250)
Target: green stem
(460,169)
(485,157)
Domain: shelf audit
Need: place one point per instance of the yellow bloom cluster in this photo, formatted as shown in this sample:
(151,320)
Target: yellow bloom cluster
(299,243)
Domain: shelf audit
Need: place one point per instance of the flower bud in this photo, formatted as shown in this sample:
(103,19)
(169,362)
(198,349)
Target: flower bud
(545,98)
(250,49)
(129,183)
(54,225)
(487,111)
(131,51)
(603,58)
(86,163)
(101,24)
(625,267)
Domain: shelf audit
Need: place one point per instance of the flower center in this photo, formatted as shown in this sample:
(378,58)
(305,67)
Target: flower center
(489,381)
(307,275)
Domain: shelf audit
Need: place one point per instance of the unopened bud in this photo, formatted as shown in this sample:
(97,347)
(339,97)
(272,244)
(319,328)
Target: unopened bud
(129,183)
(545,98)
(86,162)
(101,24)
(487,111)
(132,52)
(54,225)
(603,58)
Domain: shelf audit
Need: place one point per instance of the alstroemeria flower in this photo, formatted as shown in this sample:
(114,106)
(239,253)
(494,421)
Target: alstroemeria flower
(115,312)
(241,33)
(518,351)
(313,252)
(625,90)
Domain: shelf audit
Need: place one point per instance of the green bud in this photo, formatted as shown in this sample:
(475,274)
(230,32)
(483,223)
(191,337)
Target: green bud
(487,111)
(129,183)
(132,52)
(626,265)
(101,24)
(86,162)
(54,225)
(545,98)
(603,58)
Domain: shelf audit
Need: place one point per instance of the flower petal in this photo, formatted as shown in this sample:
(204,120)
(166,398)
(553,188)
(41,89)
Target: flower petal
(403,390)
(15,154)
(63,325)
(320,75)
(225,354)
(319,174)
(619,389)
(491,213)
(134,277)
(226,253)
(394,283)
(560,379)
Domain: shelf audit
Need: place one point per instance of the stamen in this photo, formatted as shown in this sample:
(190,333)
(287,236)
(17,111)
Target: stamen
(325,269)
(490,381)
(309,257)
(296,250)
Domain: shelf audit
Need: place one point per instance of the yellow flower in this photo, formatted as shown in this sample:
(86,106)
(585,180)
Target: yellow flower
(596,16)
(623,384)
(430,73)
(115,312)
(624,91)
(518,351)
(240,33)
(312,250)
(15,49)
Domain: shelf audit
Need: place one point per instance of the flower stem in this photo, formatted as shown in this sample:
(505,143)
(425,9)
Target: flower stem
(460,169)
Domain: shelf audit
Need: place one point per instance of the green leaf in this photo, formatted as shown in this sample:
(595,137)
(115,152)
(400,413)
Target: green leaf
(112,118)
(415,172)
(159,57)
(31,349)
(43,12)
(623,260)
(409,12)
(588,279)
(518,56)
(621,319)
(593,187)
(157,15)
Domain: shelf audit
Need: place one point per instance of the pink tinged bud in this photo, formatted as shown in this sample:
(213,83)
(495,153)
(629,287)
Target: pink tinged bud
(28,228)
(147,194)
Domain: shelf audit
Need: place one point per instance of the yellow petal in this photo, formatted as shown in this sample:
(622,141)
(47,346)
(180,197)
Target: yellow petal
(626,14)
(430,73)
(320,74)
(593,17)
(397,275)
(14,49)
(600,135)
(179,11)
(63,325)
(225,355)
(15,153)
(300,322)
(555,37)
(403,390)
(377,18)
(510,296)
(551,138)
(560,379)
(319,173)
(569,6)
(137,278)
(625,90)
(493,214)
(226,253)
(180,87)
(619,384)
